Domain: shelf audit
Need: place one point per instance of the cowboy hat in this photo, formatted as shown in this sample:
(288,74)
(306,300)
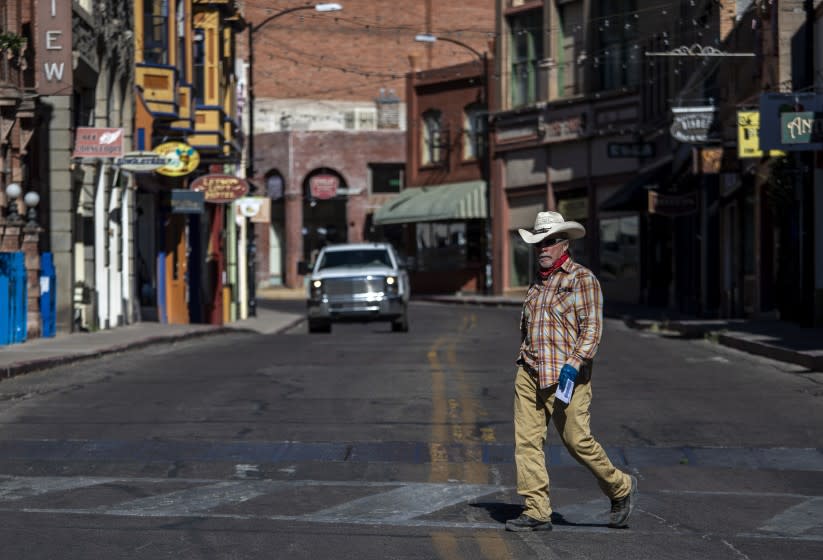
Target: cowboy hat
(552,223)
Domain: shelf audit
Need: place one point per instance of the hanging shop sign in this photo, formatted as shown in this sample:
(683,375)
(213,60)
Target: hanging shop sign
(692,125)
(220,189)
(711,160)
(801,128)
(324,186)
(98,143)
(182,201)
(183,159)
(255,208)
(142,162)
(788,121)
(672,204)
(748,136)
(630,149)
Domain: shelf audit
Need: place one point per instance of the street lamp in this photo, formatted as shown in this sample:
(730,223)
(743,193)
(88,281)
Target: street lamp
(486,155)
(252,29)
(31,199)
(13,192)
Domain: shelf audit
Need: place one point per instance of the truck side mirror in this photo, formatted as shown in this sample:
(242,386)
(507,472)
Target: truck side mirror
(302,268)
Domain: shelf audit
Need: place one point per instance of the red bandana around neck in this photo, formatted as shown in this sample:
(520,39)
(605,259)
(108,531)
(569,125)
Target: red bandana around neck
(544,274)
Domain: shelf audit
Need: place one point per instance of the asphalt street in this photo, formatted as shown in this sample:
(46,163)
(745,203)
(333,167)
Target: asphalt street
(369,444)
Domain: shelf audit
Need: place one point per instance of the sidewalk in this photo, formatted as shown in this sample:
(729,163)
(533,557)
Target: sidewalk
(42,353)
(777,340)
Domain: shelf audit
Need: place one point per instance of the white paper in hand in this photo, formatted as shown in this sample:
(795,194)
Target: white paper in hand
(565,388)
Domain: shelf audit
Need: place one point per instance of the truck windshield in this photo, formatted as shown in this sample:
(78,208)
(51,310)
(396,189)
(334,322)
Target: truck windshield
(360,257)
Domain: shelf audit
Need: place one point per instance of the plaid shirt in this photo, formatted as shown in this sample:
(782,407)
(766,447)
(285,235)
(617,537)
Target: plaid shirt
(561,322)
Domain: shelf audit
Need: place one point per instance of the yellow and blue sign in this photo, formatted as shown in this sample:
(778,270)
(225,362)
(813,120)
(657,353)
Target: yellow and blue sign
(748,136)
(183,159)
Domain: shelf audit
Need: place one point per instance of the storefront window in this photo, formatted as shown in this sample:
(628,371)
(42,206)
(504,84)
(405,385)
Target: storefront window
(441,246)
(620,258)
(522,265)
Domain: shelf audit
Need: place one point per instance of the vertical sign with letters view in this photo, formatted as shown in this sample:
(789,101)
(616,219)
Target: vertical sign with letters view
(53,47)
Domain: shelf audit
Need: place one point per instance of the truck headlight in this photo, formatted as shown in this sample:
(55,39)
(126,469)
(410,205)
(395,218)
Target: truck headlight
(391,285)
(316,289)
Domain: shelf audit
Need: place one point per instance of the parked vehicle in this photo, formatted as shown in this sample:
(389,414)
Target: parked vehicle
(356,282)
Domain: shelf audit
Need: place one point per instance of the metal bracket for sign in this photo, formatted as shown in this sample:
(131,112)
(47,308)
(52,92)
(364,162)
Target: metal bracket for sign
(698,50)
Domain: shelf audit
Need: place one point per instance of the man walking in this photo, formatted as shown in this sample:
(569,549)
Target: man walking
(560,330)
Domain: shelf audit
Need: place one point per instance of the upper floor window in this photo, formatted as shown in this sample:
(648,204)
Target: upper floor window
(620,54)
(182,38)
(474,131)
(526,31)
(432,138)
(386,177)
(156,31)
(199,65)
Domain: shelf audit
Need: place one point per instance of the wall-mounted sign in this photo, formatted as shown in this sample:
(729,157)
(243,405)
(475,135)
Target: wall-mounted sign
(220,189)
(53,48)
(324,186)
(672,204)
(563,129)
(782,125)
(748,136)
(801,128)
(691,125)
(255,208)
(98,143)
(183,201)
(183,159)
(630,149)
(141,162)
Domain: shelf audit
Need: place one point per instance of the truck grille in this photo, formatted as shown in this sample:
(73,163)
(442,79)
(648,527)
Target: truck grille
(353,286)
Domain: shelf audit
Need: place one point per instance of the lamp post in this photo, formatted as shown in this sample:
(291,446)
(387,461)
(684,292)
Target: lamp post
(250,171)
(485,152)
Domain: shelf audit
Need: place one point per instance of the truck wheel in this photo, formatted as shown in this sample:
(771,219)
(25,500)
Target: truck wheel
(319,326)
(401,324)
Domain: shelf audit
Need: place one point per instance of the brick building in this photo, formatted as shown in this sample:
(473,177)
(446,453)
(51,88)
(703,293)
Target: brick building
(329,101)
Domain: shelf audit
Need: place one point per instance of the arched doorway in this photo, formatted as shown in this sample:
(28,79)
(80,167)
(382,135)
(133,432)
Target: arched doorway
(324,211)
(277,234)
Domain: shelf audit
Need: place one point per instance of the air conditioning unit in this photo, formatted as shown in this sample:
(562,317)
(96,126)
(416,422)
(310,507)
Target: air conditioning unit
(364,118)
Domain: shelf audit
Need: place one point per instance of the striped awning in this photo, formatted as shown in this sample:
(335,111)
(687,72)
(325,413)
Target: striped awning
(440,203)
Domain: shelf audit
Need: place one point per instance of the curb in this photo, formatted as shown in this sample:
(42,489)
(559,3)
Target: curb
(47,363)
(810,362)
(20,368)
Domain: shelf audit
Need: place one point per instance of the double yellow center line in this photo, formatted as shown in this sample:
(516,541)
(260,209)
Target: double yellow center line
(455,416)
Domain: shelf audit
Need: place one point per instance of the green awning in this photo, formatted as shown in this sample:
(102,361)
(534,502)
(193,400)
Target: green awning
(441,203)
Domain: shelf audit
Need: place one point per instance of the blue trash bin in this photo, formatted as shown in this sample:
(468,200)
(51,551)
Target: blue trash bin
(13,270)
(48,295)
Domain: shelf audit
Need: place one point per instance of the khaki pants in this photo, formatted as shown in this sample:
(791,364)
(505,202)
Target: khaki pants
(533,407)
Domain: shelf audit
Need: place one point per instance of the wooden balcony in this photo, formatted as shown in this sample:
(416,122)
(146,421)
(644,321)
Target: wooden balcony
(160,90)
(209,131)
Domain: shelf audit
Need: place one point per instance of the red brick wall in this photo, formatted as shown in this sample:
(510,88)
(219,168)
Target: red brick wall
(351,54)
(440,90)
(296,154)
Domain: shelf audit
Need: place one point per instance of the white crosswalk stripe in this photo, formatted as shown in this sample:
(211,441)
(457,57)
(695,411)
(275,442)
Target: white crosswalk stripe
(380,503)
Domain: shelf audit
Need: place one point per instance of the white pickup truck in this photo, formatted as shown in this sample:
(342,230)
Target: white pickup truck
(357,282)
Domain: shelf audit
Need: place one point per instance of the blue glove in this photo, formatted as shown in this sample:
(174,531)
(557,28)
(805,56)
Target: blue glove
(569,373)
(565,385)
